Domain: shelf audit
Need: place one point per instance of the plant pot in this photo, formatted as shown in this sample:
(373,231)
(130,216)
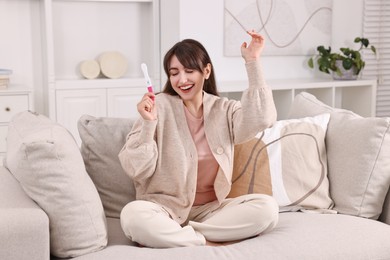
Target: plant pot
(350,74)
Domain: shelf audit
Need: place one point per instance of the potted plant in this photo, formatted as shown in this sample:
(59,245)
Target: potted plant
(345,64)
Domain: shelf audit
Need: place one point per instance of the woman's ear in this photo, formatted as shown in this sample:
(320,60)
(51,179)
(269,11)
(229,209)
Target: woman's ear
(207,71)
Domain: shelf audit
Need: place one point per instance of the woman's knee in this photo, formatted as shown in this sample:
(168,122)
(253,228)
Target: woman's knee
(268,210)
(134,214)
(264,208)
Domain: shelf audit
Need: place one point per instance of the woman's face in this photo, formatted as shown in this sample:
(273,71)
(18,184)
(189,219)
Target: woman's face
(188,83)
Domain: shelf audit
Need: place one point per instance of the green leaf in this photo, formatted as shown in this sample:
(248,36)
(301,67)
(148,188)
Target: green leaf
(323,64)
(323,51)
(356,55)
(335,56)
(338,72)
(373,49)
(321,48)
(310,63)
(365,42)
(347,64)
(360,65)
(346,51)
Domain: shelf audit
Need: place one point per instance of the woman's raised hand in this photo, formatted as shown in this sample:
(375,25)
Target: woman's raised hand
(252,51)
(146,107)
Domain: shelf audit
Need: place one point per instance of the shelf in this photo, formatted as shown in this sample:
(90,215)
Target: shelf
(113,1)
(16,89)
(358,96)
(318,83)
(132,32)
(76,31)
(99,83)
(20,48)
(304,83)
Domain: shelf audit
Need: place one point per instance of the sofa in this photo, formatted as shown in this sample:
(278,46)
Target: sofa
(329,172)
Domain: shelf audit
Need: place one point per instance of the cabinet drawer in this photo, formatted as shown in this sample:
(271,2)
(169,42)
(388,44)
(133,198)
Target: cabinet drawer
(12,104)
(3,136)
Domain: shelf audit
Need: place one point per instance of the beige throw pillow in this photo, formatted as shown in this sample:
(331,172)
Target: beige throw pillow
(45,159)
(102,139)
(358,156)
(288,162)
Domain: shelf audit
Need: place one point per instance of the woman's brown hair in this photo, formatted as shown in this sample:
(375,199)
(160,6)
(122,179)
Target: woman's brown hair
(192,55)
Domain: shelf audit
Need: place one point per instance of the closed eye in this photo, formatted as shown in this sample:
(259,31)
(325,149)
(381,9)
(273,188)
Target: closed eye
(173,72)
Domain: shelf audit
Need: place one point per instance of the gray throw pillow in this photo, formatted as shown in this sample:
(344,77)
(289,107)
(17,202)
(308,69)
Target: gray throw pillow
(102,139)
(358,156)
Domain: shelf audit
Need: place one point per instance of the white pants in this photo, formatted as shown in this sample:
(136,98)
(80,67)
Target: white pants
(149,224)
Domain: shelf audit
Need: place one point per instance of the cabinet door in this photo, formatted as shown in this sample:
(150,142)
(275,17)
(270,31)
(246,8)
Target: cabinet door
(11,105)
(123,102)
(72,104)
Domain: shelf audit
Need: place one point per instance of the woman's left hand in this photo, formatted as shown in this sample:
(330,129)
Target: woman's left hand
(255,48)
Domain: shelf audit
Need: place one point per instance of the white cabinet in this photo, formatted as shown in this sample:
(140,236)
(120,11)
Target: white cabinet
(356,95)
(12,101)
(82,30)
(71,104)
(120,102)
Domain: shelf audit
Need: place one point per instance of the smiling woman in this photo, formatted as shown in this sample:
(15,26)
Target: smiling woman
(180,152)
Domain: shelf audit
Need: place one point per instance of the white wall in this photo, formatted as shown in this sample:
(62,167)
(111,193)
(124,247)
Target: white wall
(20,47)
(180,19)
(203,21)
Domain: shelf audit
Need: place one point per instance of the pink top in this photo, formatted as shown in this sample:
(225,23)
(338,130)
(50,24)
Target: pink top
(207,165)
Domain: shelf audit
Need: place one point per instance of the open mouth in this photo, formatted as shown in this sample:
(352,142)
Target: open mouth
(186,88)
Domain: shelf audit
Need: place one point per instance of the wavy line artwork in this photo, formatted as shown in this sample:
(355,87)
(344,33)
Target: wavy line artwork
(290,27)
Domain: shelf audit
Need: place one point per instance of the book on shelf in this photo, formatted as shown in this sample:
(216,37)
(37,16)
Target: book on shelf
(4,78)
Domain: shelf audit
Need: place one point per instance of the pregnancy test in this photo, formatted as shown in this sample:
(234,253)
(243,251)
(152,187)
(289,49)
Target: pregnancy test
(147,78)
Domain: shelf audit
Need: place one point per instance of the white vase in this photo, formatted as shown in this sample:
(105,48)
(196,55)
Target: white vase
(350,74)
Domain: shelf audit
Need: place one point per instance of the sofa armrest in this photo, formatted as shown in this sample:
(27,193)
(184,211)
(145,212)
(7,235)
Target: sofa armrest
(24,226)
(24,234)
(385,216)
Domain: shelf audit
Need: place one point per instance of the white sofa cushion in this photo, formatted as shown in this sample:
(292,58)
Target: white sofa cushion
(358,156)
(45,159)
(287,161)
(297,236)
(102,139)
